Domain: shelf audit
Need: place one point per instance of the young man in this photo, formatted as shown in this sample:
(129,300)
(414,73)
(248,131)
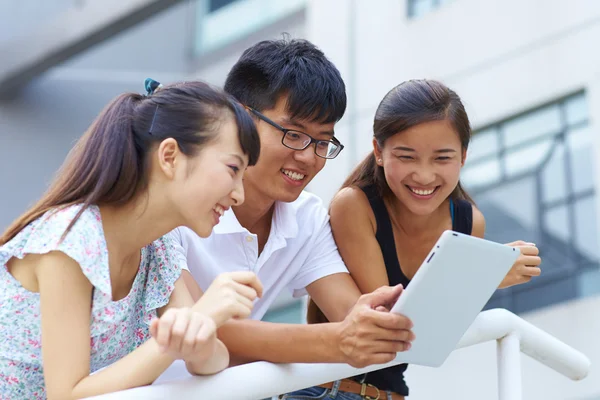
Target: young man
(281,232)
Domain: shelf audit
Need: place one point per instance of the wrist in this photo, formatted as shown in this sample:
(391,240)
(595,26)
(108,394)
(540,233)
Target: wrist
(331,335)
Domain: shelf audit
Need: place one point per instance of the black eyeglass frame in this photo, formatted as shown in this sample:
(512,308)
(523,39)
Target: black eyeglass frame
(285,131)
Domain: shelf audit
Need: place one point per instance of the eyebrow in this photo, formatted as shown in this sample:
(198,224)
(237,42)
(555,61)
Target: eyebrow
(413,150)
(238,157)
(289,121)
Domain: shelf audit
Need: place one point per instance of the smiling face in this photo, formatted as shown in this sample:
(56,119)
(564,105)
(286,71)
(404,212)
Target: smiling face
(282,173)
(422,165)
(202,187)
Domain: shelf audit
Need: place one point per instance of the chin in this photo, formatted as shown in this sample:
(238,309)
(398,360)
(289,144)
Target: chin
(289,196)
(202,231)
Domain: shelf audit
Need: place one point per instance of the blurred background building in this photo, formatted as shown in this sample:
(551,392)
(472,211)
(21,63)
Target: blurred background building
(528,72)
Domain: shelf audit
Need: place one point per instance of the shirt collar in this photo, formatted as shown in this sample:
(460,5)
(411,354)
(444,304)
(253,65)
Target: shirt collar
(284,221)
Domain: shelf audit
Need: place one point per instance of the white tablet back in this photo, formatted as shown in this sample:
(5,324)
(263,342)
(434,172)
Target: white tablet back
(451,287)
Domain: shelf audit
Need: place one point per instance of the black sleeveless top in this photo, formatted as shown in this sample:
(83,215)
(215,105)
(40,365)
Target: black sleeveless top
(392,378)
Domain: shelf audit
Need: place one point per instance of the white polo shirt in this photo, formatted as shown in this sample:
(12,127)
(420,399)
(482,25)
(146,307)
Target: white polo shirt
(299,251)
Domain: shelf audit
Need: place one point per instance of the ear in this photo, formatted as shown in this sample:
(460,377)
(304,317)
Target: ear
(464,158)
(377,153)
(168,157)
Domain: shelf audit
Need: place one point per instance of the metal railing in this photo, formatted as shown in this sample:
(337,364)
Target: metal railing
(261,380)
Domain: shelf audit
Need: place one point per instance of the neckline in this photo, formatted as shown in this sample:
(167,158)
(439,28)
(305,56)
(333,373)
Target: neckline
(143,254)
(393,236)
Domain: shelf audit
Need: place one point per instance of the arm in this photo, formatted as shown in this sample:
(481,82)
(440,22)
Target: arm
(279,343)
(335,304)
(198,362)
(353,225)
(65,302)
(478,229)
(365,337)
(526,266)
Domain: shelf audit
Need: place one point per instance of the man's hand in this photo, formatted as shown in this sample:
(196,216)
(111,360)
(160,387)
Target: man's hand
(369,334)
(526,266)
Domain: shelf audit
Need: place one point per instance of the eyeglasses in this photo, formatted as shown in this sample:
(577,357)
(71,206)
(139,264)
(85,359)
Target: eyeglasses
(297,140)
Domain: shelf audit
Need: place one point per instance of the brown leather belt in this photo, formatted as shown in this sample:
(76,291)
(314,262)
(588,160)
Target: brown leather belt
(367,391)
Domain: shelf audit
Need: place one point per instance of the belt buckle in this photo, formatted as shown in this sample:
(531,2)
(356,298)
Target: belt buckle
(363,390)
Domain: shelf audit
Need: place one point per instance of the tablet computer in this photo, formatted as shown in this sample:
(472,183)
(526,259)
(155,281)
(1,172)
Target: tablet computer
(455,281)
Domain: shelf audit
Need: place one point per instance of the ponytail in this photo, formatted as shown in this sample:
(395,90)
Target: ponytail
(368,173)
(103,166)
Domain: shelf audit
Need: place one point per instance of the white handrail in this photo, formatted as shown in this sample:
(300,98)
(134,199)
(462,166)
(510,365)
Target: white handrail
(541,346)
(261,380)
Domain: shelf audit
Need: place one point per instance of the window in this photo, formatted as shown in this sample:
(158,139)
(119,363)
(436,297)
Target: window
(214,5)
(532,177)
(418,8)
(220,22)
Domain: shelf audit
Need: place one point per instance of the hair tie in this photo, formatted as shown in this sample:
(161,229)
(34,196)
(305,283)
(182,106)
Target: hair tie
(151,86)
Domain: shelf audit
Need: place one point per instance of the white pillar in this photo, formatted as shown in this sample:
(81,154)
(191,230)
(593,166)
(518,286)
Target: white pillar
(509,368)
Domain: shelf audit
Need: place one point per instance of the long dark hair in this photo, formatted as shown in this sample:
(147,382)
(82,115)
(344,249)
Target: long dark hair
(109,163)
(409,104)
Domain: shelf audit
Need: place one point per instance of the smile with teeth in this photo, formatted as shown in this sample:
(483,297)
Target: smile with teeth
(219,210)
(422,192)
(293,175)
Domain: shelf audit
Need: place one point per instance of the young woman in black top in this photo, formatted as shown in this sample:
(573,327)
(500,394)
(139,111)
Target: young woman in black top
(399,200)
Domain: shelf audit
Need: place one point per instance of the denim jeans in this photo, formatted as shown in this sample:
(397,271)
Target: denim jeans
(317,392)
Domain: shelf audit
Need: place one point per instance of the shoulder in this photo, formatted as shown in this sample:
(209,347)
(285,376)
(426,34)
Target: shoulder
(84,243)
(49,232)
(350,198)
(352,202)
(478,229)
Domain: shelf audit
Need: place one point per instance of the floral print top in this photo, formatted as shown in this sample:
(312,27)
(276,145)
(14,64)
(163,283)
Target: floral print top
(116,327)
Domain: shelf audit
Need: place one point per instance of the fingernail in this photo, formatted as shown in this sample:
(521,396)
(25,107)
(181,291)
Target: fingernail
(408,346)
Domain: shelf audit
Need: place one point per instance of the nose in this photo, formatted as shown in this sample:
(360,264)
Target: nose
(306,156)
(423,175)
(237,194)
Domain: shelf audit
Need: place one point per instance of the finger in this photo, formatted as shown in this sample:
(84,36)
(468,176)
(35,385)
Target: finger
(517,243)
(154,327)
(529,250)
(193,327)
(530,260)
(382,296)
(207,331)
(246,291)
(239,307)
(178,329)
(375,358)
(247,278)
(390,320)
(163,336)
(379,334)
(532,271)
(246,306)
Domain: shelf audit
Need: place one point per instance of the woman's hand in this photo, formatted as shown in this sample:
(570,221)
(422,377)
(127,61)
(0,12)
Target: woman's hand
(526,266)
(231,295)
(185,334)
